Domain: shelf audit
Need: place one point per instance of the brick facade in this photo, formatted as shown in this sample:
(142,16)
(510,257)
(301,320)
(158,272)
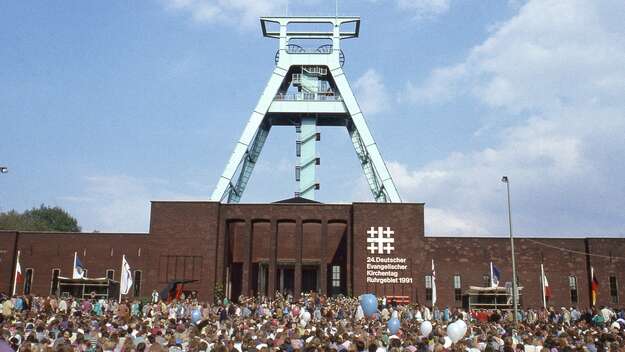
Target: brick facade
(252,248)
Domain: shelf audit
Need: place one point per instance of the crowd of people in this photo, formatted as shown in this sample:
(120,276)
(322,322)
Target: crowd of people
(311,323)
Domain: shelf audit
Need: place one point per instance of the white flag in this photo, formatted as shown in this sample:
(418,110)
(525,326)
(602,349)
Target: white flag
(18,273)
(79,269)
(433,284)
(126,279)
(495,276)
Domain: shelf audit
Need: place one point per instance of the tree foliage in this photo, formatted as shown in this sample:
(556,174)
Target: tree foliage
(44,218)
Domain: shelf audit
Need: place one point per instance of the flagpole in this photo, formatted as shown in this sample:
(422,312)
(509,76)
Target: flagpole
(17,261)
(542,284)
(492,282)
(121,277)
(74,266)
(433,285)
(515,298)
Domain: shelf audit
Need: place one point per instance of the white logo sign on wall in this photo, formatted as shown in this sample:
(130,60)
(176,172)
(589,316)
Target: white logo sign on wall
(381,268)
(380,240)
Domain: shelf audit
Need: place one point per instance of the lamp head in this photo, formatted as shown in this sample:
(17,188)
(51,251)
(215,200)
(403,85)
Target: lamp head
(4,169)
(504,179)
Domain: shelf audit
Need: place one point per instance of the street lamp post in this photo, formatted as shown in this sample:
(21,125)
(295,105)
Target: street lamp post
(514,283)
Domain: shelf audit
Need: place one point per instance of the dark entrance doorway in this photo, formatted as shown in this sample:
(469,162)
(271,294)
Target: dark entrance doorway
(235,276)
(310,278)
(286,279)
(260,272)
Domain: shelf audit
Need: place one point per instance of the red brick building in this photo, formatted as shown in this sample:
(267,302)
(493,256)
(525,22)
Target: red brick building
(297,246)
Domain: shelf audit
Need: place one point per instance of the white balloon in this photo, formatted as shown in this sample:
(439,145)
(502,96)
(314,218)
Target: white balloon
(463,326)
(426,328)
(306,316)
(456,330)
(453,332)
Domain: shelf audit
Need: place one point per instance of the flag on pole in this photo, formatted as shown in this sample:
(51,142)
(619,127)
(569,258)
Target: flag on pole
(545,286)
(433,284)
(18,273)
(594,286)
(494,275)
(79,269)
(126,278)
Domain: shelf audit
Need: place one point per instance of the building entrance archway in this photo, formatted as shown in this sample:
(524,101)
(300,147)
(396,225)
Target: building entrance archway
(310,278)
(285,279)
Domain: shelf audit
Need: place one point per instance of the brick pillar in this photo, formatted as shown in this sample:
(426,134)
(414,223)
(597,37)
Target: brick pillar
(273,258)
(323,274)
(298,260)
(349,264)
(221,252)
(247,265)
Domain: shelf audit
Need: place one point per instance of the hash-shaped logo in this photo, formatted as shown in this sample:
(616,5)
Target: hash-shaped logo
(380,240)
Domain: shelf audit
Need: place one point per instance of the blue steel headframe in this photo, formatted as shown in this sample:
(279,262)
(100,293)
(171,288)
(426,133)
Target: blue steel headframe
(307,88)
(335,21)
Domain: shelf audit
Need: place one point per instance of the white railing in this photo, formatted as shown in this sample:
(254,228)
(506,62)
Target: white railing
(308,97)
(291,49)
(322,86)
(316,70)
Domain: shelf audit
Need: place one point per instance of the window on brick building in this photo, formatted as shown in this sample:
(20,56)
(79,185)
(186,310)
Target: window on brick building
(137,283)
(457,288)
(613,289)
(428,288)
(573,288)
(336,276)
(486,280)
(28,280)
(110,274)
(54,282)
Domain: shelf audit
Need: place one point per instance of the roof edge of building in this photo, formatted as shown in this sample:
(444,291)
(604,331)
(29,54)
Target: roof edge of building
(533,237)
(76,233)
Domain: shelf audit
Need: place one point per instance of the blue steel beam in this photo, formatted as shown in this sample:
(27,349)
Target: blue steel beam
(308,156)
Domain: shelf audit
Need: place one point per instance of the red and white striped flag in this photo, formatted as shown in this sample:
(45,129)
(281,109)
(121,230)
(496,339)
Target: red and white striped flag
(18,273)
(547,288)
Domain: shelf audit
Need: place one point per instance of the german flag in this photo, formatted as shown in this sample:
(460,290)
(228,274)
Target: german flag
(594,286)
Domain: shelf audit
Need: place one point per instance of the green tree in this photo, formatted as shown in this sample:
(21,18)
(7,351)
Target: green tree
(43,218)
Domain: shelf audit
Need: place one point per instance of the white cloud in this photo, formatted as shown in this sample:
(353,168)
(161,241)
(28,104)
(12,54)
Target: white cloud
(424,9)
(446,222)
(557,71)
(371,93)
(234,12)
(118,203)
(573,50)
(442,85)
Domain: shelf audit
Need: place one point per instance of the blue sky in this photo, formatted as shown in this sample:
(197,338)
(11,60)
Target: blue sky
(105,106)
